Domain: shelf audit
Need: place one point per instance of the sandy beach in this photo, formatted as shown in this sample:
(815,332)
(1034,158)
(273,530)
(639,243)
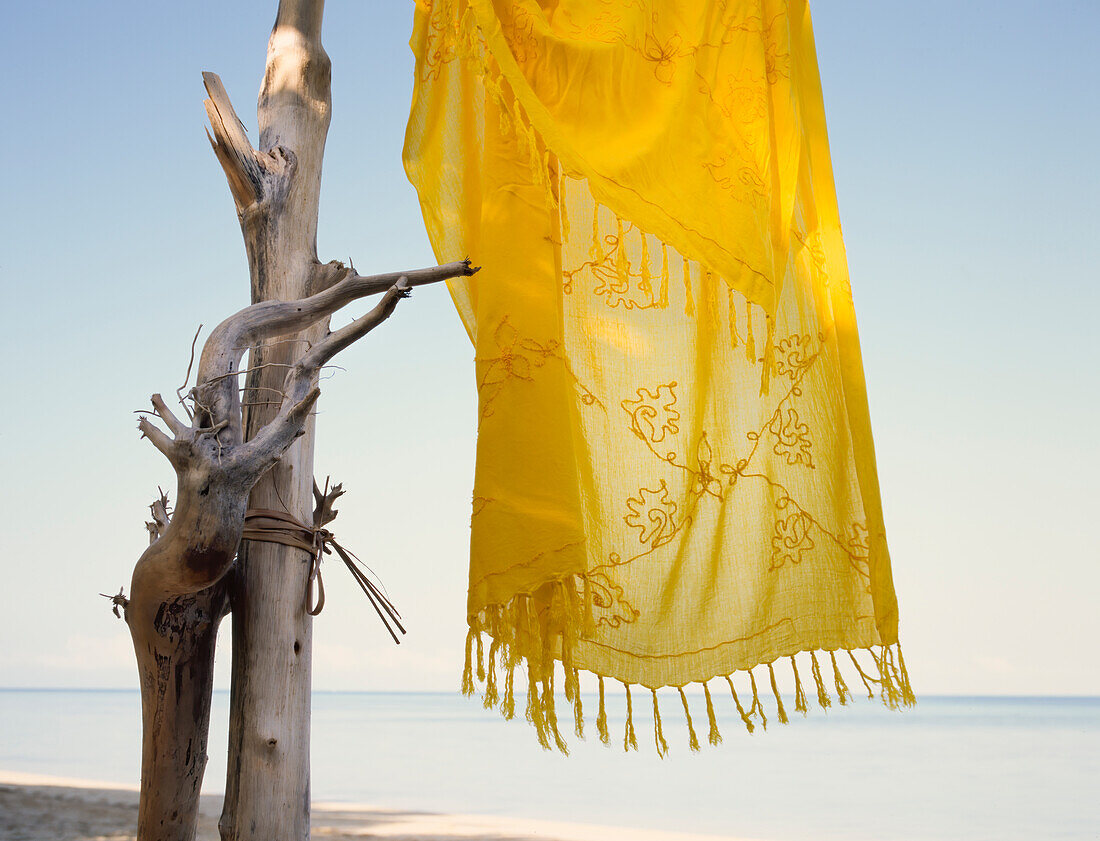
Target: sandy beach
(41,808)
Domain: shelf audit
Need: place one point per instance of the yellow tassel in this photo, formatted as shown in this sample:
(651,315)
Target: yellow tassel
(799,695)
(842,690)
(710,289)
(630,740)
(534,709)
(508,705)
(693,740)
(622,267)
(551,183)
(689,303)
(750,337)
(664,276)
(740,710)
(480,661)
(551,713)
(596,251)
(862,675)
(571,685)
(468,669)
(780,712)
(757,707)
(658,731)
(491,694)
(601,718)
(734,337)
(646,285)
(768,360)
(563,214)
(890,694)
(822,696)
(714,737)
(906,686)
(578,709)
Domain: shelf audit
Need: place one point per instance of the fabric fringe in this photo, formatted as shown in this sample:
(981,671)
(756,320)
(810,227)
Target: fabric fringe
(780,712)
(843,694)
(630,740)
(735,338)
(714,737)
(663,298)
(750,337)
(693,740)
(468,670)
(757,707)
(822,696)
(578,707)
(799,695)
(480,660)
(658,731)
(689,298)
(740,710)
(595,251)
(881,669)
(601,719)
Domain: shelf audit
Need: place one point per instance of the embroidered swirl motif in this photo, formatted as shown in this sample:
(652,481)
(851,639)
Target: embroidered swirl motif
(859,541)
(740,176)
(653,417)
(511,364)
(816,251)
(664,55)
(792,438)
(777,51)
(653,414)
(519,32)
(610,607)
(790,539)
(792,355)
(653,513)
(519,358)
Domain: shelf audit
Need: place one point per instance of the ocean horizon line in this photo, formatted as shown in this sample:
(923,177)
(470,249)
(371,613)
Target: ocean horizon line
(953,696)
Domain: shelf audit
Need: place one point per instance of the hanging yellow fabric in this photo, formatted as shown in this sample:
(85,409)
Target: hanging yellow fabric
(675,474)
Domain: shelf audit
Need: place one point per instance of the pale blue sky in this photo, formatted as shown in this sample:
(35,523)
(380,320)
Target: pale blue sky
(963,138)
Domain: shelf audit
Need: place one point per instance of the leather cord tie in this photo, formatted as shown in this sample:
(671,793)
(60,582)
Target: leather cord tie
(270,526)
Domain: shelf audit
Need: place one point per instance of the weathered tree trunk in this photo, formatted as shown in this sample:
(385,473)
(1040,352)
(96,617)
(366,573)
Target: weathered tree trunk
(175,662)
(267,787)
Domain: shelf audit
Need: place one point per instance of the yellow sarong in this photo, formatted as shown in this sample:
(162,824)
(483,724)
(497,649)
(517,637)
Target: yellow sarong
(675,474)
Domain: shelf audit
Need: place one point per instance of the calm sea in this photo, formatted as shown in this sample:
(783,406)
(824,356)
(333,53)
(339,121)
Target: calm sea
(953,768)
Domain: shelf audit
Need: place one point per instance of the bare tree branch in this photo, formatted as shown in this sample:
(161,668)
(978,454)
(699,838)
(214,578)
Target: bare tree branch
(177,426)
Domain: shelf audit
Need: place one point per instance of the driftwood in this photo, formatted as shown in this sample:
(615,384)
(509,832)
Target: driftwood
(174,605)
(229,456)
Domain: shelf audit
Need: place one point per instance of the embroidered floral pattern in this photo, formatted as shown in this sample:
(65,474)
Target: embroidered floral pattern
(653,415)
(790,539)
(792,355)
(517,360)
(519,32)
(653,513)
(792,438)
(610,607)
(615,277)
